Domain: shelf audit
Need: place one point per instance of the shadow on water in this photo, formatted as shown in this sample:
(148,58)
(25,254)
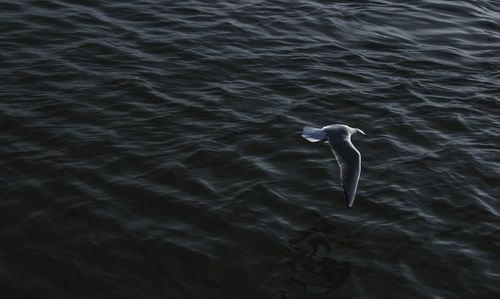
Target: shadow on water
(311,265)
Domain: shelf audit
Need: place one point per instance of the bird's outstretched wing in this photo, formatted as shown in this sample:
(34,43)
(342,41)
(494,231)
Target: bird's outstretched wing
(349,160)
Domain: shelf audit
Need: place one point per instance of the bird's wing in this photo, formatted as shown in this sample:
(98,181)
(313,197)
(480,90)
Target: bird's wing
(349,160)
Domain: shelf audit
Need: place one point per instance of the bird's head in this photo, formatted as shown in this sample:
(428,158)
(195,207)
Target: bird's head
(359,131)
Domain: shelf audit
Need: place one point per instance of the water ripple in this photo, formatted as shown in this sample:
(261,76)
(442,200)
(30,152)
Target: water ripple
(154,149)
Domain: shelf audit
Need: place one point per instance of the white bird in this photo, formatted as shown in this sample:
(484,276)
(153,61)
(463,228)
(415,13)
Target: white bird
(347,156)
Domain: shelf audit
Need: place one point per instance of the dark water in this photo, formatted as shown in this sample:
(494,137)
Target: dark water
(152,149)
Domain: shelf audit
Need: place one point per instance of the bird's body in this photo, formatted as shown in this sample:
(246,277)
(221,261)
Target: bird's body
(347,156)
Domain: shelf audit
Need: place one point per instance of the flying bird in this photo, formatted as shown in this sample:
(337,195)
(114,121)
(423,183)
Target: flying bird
(347,156)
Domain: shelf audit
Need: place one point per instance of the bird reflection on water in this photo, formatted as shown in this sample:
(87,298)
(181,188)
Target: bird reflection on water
(312,267)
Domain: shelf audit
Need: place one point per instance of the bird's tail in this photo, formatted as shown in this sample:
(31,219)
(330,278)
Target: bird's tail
(313,134)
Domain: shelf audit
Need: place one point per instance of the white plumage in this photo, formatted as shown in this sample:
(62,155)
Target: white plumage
(347,156)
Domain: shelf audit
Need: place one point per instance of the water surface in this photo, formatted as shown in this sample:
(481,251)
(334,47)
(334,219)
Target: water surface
(152,149)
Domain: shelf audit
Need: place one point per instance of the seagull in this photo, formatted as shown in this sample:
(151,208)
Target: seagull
(347,156)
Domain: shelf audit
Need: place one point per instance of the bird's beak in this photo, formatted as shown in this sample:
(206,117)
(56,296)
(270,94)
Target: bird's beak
(360,131)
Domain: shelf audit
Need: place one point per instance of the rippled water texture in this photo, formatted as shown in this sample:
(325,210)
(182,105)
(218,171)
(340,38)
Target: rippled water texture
(152,149)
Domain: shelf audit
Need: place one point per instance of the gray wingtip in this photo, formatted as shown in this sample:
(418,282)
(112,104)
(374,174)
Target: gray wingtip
(349,202)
